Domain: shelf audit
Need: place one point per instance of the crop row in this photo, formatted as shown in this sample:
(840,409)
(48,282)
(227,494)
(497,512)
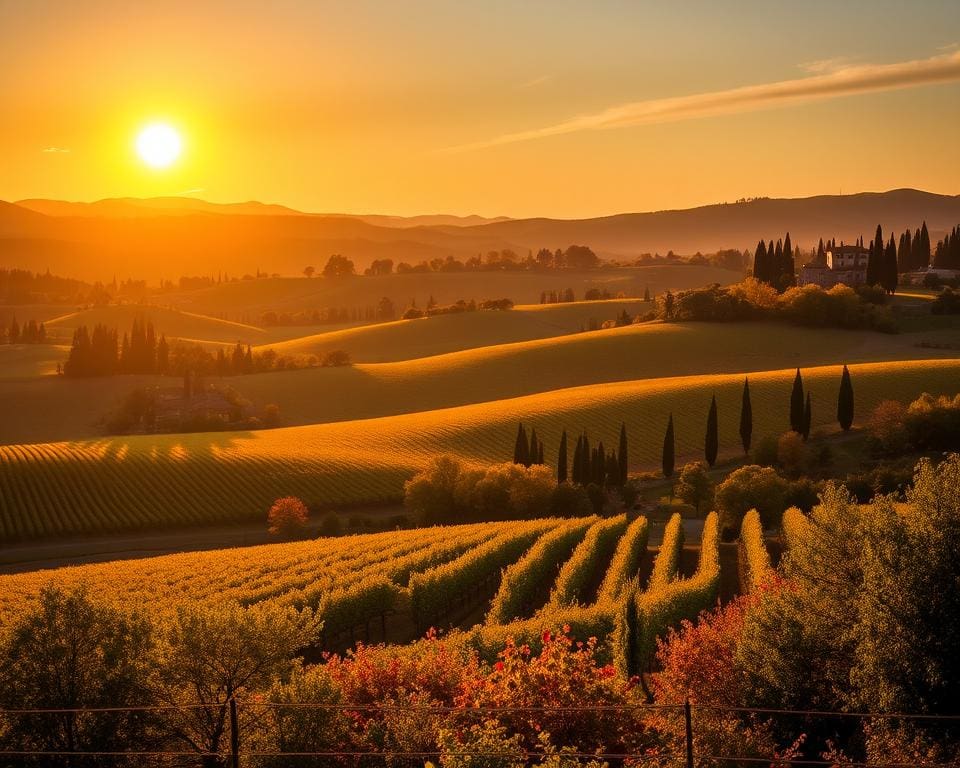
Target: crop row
(591,556)
(752,555)
(534,573)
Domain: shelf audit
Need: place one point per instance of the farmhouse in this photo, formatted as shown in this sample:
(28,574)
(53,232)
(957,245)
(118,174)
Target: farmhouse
(843,265)
(173,408)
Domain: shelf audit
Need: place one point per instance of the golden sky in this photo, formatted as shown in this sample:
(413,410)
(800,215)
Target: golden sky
(541,108)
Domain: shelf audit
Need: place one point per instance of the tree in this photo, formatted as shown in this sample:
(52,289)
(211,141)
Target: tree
(746,417)
(562,459)
(429,494)
(669,450)
(521,447)
(712,439)
(288,517)
(796,404)
(875,262)
(923,249)
(623,460)
(533,455)
(646,293)
(694,486)
(845,401)
(309,272)
(750,487)
(807,417)
(338,266)
(217,652)
(889,274)
(65,651)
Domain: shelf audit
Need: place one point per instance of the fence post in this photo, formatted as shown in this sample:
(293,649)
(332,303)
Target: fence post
(688,728)
(234,735)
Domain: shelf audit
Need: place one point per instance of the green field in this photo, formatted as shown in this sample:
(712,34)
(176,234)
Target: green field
(144,482)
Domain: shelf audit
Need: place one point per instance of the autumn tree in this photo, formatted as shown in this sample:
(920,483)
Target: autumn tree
(287,517)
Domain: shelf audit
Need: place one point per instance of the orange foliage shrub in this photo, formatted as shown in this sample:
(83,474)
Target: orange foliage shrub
(287,517)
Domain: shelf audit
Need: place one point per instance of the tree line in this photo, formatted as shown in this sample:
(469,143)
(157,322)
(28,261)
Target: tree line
(30,332)
(598,466)
(947,254)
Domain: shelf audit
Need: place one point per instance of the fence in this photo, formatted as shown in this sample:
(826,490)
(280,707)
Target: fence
(232,754)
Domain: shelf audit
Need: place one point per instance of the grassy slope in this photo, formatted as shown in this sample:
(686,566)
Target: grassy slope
(147,481)
(252,297)
(29,360)
(173,323)
(427,336)
(59,409)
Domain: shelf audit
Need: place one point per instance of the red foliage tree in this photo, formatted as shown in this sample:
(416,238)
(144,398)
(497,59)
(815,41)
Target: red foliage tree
(287,517)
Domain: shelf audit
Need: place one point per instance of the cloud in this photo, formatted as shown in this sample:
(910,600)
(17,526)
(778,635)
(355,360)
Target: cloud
(821,66)
(534,82)
(55,150)
(846,81)
(194,191)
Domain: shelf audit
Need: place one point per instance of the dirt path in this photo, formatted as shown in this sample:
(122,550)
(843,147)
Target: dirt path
(34,556)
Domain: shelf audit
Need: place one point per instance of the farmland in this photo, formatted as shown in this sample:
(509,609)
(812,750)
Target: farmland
(150,481)
(419,578)
(56,409)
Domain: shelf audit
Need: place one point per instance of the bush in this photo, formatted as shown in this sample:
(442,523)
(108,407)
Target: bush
(887,431)
(947,303)
(750,487)
(288,517)
(271,415)
(694,486)
(792,454)
(330,524)
(570,501)
(764,452)
(335,358)
(803,494)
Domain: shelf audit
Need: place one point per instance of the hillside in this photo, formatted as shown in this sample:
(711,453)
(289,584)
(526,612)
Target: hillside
(55,408)
(154,480)
(198,238)
(250,298)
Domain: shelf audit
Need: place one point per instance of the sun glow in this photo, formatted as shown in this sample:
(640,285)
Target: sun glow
(159,145)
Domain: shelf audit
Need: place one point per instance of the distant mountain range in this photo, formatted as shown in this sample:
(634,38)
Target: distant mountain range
(169,237)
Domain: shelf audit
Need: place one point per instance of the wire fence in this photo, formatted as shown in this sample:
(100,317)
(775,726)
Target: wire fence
(233,756)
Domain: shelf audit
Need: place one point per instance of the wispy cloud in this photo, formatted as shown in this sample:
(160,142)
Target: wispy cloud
(846,81)
(534,82)
(55,150)
(195,191)
(821,66)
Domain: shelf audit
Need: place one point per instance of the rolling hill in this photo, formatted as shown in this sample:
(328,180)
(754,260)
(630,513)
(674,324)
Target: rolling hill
(154,481)
(199,238)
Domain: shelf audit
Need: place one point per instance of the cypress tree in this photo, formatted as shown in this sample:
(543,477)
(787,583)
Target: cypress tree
(669,450)
(845,401)
(875,264)
(586,465)
(562,459)
(746,417)
(622,457)
(712,440)
(521,448)
(646,293)
(600,465)
(578,462)
(890,275)
(540,453)
(796,404)
(924,261)
(760,262)
(534,452)
(807,416)
(613,470)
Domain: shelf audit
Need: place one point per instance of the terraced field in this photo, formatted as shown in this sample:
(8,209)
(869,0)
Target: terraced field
(146,482)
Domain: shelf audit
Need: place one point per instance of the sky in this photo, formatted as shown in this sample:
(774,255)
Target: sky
(556,109)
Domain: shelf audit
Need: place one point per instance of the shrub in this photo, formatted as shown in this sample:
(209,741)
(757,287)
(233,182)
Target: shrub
(803,493)
(570,501)
(694,486)
(750,487)
(888,433)
(330,524)
(754,560)
(271,415)
(792,453)
(335,358)
(288,517)
(764,452)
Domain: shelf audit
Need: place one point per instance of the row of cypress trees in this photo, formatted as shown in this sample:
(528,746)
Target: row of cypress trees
(596,465)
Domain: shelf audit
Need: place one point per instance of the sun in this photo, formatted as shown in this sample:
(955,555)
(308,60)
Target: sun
(159,145)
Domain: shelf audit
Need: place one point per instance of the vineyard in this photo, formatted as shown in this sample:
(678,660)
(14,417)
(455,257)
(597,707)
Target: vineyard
(525,578)
(155,481)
